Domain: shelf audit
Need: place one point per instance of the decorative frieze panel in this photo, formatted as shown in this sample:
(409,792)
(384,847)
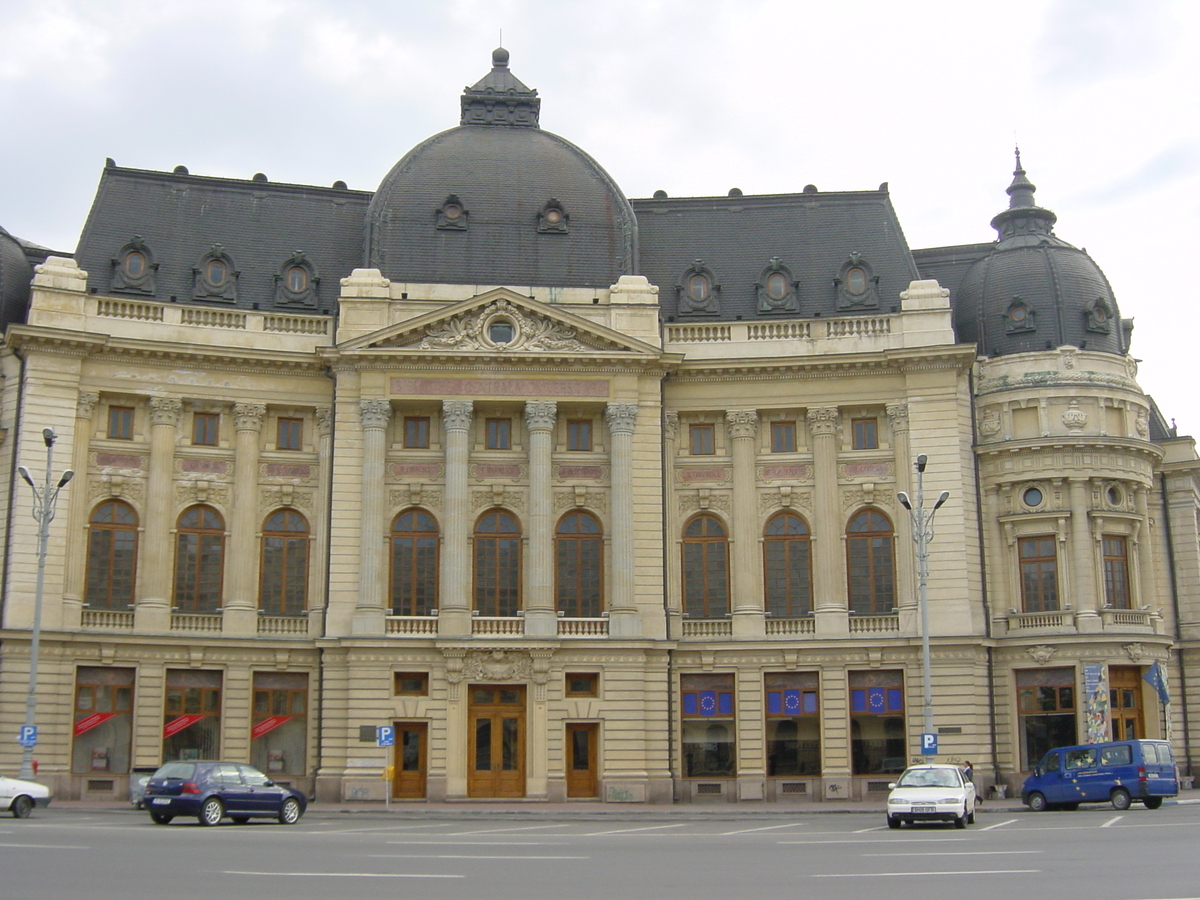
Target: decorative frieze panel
(784,498)
(529,332)
(128,461)
(189,466)
(785,473)
(294,471)
(580,497)
(415,495)
(201,492)
(417,470)
(867,494)
(511,471)
(692,474)
(286,495)
(704,499)
(497,495)
(1041,653)
(581,473)
(866,470)
(120,486)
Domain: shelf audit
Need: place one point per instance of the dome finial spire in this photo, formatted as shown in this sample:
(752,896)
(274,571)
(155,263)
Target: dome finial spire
(1020,192)
(499,98)
(1023,216)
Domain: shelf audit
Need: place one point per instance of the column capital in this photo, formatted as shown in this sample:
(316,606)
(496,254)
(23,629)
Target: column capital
(165,411)
(249,416)
(742,423)
(621,417)
(897,414)
(540,414)
(86,404)
(375,413)
(324,421)
(457,414)
(823,420)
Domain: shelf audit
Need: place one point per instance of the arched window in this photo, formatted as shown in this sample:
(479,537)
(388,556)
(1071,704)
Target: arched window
(787,567)
(414,564)
(283,588)
(497,565)
(871,564)
(112,556)
(579,566)
(705,568)
(199,560)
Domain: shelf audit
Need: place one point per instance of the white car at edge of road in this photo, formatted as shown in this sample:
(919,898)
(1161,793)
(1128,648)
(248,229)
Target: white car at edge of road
(931,793)
(20,797)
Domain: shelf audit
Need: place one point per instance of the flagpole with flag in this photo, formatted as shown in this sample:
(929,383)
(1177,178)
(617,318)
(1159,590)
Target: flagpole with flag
(1156,677)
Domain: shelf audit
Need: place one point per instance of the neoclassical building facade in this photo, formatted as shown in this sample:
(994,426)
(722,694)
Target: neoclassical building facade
(587,498)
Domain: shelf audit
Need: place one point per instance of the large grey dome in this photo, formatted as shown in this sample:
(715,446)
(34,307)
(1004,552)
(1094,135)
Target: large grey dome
(16,272)
(1034,290)
(499,201)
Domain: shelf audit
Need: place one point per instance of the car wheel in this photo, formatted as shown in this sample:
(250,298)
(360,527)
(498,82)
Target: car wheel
(161,818)
(212,811)
(893,822)
(1120,798)
(1037,802)
(961,821)
(240,820)
(21,807)
(1153,802)
(971,817)
(289,813)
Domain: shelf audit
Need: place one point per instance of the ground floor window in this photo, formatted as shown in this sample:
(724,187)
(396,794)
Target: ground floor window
(709,746)
(793,724)
(279,727)
(103,720)
(877,731)
(1046,710)
(192,716)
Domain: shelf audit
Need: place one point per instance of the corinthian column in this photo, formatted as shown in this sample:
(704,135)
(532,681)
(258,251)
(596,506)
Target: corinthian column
(623,618)
(829,574)
(747,605)
(540,616)
(153,612)
(318,592)
(241,600)
(77,515)
(906,587)
(1081,590)
(369,610)
(454,604)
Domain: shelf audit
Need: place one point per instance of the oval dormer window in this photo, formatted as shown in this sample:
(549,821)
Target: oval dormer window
(856,281)
(135,264)
(297,279)
(777,286)
(699,288)
(500,332)
(452,211)
(1017,313)
(1100,313)
(554,215)
(216,272)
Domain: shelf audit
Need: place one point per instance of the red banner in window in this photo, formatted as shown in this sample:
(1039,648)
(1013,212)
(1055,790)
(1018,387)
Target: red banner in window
(177,725)
(87,723)
(268,724)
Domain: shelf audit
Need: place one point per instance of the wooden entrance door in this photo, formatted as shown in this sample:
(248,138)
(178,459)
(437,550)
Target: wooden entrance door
(496,735)
(581,759)
(1125,702)
(411,760)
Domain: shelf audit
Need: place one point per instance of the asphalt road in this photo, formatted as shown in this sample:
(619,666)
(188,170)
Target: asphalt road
(1097,854)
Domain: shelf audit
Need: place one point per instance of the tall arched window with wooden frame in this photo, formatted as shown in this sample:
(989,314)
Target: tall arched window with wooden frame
(579,566)
(1116,571)
(414,564)
(199,560)
(871,564)
(705,568)
(283,580)
(787,567)
(497,564)
(112,556)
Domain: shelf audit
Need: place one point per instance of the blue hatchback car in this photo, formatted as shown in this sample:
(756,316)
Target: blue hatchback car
(210,791)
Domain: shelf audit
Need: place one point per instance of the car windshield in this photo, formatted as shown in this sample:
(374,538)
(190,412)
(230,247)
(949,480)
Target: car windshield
(176,770)
(929,778)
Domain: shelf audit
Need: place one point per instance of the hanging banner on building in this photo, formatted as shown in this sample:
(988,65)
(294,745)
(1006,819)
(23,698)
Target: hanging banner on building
(87,723)
(1095,703)
(268,724)
(1156,677)
(177,725)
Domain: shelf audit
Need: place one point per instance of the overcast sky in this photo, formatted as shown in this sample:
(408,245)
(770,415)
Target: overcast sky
(690,96)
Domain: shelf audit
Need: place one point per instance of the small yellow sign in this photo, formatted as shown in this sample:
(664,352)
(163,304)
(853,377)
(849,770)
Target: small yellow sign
(389,773)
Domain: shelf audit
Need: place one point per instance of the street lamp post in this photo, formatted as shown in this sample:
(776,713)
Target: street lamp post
(922,529)
(45,498)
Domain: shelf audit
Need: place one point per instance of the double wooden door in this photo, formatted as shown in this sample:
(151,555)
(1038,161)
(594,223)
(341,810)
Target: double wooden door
(496,741)
(412,751)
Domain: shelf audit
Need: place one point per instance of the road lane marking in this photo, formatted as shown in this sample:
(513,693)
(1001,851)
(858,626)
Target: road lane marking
(957,853)
(889,841)
(997,825)
(764,828)
(338,874)
(865,830)
(927,874)
(506,830)
(1113,821)
(477,843)
(631,830)
(460,856)
(45,847)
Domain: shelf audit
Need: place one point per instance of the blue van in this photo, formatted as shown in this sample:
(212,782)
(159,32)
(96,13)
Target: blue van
(1117,773)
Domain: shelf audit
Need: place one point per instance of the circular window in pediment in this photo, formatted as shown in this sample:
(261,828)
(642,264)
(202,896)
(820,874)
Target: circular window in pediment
(501,331)
(1032,497)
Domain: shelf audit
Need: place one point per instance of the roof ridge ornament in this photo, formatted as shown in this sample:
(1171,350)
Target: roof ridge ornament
(500,98)
(1023,216)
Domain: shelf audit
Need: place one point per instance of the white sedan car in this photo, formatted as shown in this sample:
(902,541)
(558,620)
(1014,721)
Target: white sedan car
(931,794)
(20,797)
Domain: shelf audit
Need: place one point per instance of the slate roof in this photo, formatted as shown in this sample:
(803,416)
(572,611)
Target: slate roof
(259,224)
(812,234)
(948,265)
(16,272)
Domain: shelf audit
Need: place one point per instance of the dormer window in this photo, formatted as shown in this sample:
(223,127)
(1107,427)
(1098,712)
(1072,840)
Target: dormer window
(216,273)
(134,268)
(857,285)
(134,265)
(552,219)
(452,216)
(699,293)
(776,289)
(215,277)
(1019,317)
(296,282)
(856,280)
(1099,317)
(296,279)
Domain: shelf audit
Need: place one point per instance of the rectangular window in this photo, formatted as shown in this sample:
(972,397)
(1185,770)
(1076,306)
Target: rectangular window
(279,723)
(1046,711)
(709,748)
(783,437)
(499,434)
(416,432)
(866,434)
(411,684)
(192,715)
(1116,571)
(579,434)
(793,724)
(582,684)
(120,423)
(103,720)
(877,723)
(1039,573)
(291,433)
(702,440)
(204,429)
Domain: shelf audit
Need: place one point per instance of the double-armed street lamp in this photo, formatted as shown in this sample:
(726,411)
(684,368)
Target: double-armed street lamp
(45,498)
(922,532)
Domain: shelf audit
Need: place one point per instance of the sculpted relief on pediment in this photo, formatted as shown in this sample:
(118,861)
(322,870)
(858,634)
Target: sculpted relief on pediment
(502,327)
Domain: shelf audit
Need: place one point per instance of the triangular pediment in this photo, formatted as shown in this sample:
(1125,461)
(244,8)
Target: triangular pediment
(477,326)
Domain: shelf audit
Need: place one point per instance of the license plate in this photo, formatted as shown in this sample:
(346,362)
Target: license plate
(161,801)
(924,809)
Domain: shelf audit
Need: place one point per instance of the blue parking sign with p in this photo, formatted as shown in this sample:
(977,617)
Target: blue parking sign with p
(929,744)
(27,736)
(385,736)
